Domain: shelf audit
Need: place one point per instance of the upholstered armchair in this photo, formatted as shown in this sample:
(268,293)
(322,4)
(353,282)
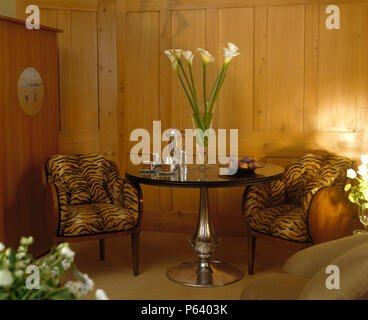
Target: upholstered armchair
(285,209)
(91,201)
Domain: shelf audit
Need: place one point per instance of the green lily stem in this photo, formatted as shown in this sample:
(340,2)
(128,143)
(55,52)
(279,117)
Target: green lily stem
(215,86)
(193,86)
(186,92)
(192,90)
(204,87)
(218,89)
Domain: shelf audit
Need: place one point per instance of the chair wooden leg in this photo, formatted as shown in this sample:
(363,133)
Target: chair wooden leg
(135,252)
(102,249)
(251,252)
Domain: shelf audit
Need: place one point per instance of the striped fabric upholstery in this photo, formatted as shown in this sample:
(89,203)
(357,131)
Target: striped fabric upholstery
(280,208)
(92,197)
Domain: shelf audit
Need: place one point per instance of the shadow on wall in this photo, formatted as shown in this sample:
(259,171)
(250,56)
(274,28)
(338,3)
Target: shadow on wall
(350,145)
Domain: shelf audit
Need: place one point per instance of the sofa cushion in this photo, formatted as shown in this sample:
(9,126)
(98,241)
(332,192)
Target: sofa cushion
(291,225)
(274,286)
(306,263)
(81,219)
(353,277)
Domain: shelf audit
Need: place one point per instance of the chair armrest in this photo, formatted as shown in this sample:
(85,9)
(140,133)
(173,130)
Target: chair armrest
(56,206)
(331,215)
(259,197)
(128,195)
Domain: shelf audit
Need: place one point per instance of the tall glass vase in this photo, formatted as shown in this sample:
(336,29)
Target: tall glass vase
(203,122)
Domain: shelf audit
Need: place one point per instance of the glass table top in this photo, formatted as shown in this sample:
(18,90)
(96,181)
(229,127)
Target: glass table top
(194,176)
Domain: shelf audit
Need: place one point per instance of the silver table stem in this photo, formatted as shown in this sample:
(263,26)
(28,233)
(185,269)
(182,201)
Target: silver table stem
(204,272)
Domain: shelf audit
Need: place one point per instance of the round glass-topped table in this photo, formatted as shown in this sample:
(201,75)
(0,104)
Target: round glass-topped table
(204,272)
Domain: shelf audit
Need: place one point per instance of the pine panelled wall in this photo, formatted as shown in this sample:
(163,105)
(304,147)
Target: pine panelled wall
(88,72)
(297,86)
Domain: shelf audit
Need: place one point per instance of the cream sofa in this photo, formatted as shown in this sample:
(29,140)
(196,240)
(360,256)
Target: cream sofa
(303,276)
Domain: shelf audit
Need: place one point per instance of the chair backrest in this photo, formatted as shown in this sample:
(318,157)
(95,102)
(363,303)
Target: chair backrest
(87,178)
(313,166)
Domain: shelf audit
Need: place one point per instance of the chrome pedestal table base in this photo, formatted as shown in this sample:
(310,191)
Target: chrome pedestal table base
(204,272)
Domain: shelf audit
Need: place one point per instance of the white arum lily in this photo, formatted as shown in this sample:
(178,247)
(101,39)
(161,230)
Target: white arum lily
(206,56)
(232,47)
(178,53)
(351,174)
(364,158)
(188,56)
(362,170)
(229,55)
(2,247)
(6,278)
(174,62)
(101,295)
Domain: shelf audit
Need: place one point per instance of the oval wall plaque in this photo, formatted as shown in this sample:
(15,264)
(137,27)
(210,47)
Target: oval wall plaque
(30,91)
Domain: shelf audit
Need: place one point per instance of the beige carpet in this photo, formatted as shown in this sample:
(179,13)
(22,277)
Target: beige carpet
(162,250)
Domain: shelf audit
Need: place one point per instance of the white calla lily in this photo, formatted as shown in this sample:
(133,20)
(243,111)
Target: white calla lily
(232,47)
(2,246)
(178,53)
(351,174)
(229,55)
(206,56)
(188,56)
(172,57)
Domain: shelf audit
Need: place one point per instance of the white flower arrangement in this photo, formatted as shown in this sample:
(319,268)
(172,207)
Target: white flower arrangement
(14,275)
(358,189)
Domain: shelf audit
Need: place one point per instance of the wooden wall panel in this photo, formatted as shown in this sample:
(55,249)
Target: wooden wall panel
(236,99)
(337,72)
(83,74)
(362,85)
(187,32)
(108,86)
(84,106)
(285,68)
(142,89)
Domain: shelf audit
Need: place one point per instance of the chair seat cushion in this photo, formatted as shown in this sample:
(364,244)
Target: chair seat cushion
(274,286)
(97,218)
(286,221)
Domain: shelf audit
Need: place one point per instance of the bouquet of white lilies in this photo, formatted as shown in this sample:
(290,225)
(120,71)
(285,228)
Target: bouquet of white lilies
(24,278)
(202,119)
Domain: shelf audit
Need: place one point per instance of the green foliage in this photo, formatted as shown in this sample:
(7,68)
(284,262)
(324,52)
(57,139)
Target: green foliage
(25,278)
(358,191)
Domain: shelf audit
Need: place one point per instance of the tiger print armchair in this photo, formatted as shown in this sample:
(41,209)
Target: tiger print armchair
(281,209)
(91,201)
